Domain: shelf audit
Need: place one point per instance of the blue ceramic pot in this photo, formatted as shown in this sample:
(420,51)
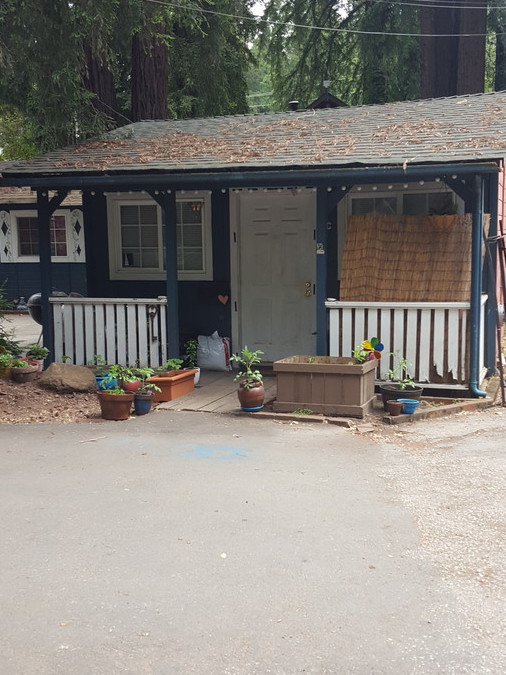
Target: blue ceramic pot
(409,406)
(101,384)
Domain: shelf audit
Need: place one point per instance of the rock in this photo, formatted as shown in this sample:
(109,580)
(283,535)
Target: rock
(66,377)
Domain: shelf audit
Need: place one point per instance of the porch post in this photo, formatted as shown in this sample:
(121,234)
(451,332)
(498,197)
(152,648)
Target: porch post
(46,285)
(321,271)
(476,287)
(170,225)
(490,279)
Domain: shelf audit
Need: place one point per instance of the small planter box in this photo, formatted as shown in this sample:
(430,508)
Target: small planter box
(331,385)
(173,383)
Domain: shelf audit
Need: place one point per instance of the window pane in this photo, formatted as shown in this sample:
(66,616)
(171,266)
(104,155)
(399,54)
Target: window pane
(386,205)
(129,215)
(28,236)
(441,203)
(191,260)
(361,206)
(414,204)
(131,257)
(130,236)
(191,235)
(147,215)
(149,257)
(191,212)
(149,236)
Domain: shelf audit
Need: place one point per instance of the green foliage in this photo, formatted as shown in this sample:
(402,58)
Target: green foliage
(360,68)
(400,371)
(248,377)
(7,341)
(66,67)
(191,347)
(171,364)
(37,351)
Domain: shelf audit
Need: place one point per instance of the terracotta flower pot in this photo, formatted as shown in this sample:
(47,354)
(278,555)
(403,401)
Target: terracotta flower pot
(115,406)
(394,407)
(26,374)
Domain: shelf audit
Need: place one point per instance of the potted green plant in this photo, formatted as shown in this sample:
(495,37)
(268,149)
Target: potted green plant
(6,359)
(251,391)
(170,382)
(23,370)
(191,347)
(401,384)
(144,396)
(37,353)
(115,402)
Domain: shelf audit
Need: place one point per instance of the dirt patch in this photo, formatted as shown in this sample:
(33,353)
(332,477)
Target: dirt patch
(28,403)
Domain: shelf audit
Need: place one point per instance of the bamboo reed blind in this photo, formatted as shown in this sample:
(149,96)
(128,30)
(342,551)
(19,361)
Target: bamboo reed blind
(407,258)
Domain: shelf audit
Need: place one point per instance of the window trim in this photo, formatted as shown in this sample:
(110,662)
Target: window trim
(16,257)
(116,269)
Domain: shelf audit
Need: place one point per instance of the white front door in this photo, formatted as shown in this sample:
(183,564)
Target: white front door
(276,272)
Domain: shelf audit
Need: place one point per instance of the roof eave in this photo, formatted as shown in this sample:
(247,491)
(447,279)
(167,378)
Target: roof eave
(262,177)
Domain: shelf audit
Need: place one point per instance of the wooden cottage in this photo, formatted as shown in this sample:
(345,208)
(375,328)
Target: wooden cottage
(294,233)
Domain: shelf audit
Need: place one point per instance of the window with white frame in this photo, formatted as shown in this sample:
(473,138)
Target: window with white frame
(137,237)
(410,201)
(19,236)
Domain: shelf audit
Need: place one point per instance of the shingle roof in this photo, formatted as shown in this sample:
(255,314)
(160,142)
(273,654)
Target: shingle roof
(23,195)
(460,128)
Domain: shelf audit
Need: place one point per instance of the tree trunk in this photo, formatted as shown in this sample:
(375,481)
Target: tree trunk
(438,54)
(452,65)
(99,80)
(471,55)
(149,77)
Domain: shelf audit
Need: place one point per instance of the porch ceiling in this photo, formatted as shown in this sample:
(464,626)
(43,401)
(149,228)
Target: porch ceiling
(448,130)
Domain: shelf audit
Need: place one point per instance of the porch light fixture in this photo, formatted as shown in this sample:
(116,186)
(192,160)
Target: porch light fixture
(343,187)
(437,179)
(329,189)
(454,176)
(374,187)
(422,182)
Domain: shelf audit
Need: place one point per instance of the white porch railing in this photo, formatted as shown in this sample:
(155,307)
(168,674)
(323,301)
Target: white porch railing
(433,337)
(127,331)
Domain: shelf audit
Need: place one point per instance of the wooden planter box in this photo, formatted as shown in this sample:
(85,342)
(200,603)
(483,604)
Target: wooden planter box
(173,383)
(332,385)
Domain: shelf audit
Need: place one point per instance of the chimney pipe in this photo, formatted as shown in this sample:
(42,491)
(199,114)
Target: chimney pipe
(293,105)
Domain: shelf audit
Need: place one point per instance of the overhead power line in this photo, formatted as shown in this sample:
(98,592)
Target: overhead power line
(328,29)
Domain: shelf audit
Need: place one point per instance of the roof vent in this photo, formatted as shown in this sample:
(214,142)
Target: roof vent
(293,105)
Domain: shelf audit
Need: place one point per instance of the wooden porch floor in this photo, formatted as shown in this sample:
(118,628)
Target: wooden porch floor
(216,392)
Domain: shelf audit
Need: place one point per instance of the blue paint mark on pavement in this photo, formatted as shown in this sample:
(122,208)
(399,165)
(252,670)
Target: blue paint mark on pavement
(216,452)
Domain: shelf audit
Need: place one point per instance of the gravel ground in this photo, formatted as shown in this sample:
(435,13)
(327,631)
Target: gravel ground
(450,473)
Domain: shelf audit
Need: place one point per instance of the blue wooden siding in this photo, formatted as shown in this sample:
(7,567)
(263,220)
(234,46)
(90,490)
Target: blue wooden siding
(200,311)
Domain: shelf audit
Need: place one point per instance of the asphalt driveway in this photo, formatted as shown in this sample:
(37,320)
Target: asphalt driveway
(193,543)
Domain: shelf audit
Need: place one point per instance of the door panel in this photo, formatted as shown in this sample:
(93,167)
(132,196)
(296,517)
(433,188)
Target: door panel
(276,258)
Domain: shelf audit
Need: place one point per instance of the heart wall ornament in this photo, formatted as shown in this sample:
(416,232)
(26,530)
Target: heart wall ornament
(223,299)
